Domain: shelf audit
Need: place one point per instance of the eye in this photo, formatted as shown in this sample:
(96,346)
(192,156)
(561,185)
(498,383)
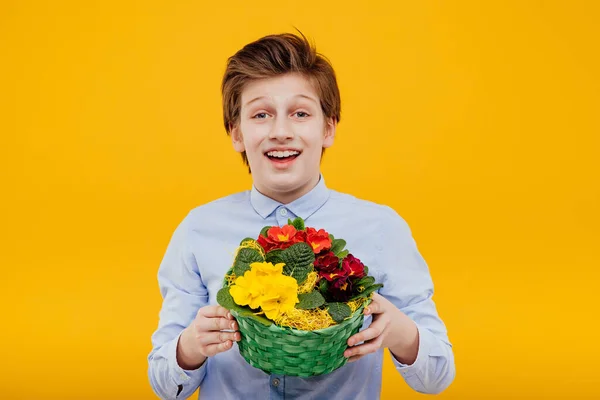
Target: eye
(301,114)
(260,116)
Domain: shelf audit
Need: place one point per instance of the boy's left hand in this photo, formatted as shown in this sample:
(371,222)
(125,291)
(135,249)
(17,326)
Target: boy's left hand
(390,328)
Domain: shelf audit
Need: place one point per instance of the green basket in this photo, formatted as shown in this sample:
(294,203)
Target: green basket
(293,352)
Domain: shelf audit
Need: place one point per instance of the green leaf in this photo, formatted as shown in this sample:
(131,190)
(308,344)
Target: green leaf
(247,312)
(298,223)
(310,300)
(331,237)
(298,259)
(274,256)
(300,274)
(263,320)
(367,291)
(337,245)
(244,258)
(366,282)
(264,230)
(324,287)
(342,254)
(247,239)
(339,311)
(366,270)
(225,299)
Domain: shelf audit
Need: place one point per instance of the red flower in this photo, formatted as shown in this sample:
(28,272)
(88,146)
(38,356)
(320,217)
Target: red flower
(341,289)
(299,237)
(355,267)
(266,243)
(318,240)
(328,266)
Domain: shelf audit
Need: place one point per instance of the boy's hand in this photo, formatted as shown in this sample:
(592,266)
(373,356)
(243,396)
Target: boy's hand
(205,337)
(390,328)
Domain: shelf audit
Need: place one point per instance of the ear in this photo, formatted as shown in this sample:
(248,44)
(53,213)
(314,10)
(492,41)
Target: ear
(237,139)
(330,126)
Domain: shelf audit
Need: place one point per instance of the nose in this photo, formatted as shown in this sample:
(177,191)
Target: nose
(281,129)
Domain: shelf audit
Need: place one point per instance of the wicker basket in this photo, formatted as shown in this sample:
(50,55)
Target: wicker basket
(295,352)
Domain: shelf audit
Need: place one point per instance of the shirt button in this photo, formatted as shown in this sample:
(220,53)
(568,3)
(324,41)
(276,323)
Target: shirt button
(283,212)
(276,382)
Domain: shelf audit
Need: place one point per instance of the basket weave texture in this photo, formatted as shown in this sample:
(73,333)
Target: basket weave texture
(293,352)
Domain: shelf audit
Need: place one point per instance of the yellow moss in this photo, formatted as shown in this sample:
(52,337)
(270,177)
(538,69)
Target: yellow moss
(309,283)
(355,304)
(307,320)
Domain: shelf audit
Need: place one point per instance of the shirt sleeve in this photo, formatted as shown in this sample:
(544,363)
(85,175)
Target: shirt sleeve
(408,285)
(183,294)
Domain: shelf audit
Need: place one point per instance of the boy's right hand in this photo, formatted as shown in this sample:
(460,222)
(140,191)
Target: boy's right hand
(205,337)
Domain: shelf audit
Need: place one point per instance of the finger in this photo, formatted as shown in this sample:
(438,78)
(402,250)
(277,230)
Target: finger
(215,324)
(218,337)
(215,311)
(376,306)
(366,348)
(355,358)
(377,327)
(213,349)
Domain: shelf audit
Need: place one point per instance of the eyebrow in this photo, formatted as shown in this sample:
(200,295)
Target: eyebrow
(296,96)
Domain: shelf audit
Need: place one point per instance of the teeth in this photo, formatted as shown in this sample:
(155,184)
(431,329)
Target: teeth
(282,154)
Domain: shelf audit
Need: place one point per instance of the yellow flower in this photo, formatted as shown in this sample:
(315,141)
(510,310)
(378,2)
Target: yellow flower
(281,295)
(265,286)
(247,290)
(267,269)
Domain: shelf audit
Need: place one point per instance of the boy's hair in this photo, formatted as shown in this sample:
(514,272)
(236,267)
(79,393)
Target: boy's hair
(275,55)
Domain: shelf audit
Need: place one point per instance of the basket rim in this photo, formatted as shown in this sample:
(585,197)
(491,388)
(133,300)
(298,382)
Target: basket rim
(300,332)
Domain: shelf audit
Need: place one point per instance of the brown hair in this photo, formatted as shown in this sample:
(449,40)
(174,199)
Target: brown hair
(275,55)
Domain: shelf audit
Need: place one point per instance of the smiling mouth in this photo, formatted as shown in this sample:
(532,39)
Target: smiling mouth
(282,156)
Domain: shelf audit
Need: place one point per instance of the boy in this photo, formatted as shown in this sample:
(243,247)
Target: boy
(281,105)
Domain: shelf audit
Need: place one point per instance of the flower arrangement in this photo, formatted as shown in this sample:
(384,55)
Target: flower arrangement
(290,285)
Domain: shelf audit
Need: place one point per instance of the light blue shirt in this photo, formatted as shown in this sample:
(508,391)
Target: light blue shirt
(200,252)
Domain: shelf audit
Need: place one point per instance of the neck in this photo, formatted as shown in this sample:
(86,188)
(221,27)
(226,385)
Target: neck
(286,197)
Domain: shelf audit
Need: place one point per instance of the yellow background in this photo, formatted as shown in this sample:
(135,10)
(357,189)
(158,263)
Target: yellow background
(477,121)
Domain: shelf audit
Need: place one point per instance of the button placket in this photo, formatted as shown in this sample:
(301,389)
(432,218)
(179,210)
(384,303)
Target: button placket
(282,215)
(277,386)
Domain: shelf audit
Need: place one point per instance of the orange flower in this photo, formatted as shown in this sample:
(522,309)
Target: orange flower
(281,237)
(318,240)
(284,234)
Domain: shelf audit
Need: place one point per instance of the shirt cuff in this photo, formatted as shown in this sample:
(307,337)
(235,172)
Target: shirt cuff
(179,375)
(425,343)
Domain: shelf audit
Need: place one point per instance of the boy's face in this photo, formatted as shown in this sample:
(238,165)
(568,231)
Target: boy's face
(283,131)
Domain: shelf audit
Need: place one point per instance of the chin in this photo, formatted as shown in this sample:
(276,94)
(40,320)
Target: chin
(284,183)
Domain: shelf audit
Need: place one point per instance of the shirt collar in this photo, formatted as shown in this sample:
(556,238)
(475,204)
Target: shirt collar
(303,207)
